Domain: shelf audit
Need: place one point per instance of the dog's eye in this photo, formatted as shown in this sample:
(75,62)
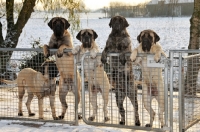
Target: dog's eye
(150,37)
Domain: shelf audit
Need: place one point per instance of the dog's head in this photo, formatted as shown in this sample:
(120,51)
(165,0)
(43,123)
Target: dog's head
(58,25)
(118,23)
(87,37)
(49,69)
(147,38)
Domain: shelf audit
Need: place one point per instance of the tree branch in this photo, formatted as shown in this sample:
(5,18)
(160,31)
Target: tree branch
(24,14)
(9,14)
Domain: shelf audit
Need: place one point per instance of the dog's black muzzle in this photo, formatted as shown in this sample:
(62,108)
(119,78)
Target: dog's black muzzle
(116,26)
(146,45)
(86,42)
(58,30)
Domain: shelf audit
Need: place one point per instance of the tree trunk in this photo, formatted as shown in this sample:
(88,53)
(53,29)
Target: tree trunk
(193,64)
(14,30)
(1,34)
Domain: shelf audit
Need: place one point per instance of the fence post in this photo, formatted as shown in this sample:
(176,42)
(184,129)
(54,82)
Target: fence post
(171,90)
(76,92)
(181,95)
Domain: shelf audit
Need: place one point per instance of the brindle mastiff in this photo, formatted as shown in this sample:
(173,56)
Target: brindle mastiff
(94,71)
(37,84)
(119,42)
(153,85)
(61,39)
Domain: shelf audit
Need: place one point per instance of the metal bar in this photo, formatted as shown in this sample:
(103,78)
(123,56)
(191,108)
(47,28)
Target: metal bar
(29,49)
(192,123)
(166,91)
(126,89)
(171,90)
(185,51)
(191,56)
(83,88)
(76,92)
(180,94)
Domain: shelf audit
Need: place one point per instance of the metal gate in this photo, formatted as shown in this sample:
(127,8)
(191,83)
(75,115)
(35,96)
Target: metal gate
(184,90)
(31,58)
(131,94)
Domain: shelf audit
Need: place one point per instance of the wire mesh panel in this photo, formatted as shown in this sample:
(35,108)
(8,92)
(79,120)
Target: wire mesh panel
(184,85)
(29,87)
(125,107)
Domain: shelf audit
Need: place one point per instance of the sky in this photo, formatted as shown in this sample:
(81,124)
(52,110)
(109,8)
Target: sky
(96,4)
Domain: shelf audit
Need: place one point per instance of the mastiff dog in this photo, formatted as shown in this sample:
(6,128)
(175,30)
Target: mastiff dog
(119,41)
(37,83)
(152,83)
(93,70)
(61,39)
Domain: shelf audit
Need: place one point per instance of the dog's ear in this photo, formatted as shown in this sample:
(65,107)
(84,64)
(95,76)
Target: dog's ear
(50,23)
(138,37)
(94,34)
(157,38)
(110,24)
(125,22)
(78,36)
(67,25)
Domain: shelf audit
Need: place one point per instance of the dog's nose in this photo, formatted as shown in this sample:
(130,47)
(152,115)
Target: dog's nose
(87,38)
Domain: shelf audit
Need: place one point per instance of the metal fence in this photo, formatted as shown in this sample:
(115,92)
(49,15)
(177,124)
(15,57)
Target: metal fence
(127,97)
(10,95)
(125,100)
(184,90)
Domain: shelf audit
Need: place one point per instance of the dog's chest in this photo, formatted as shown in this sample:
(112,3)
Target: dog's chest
(65,64)
(117,44)
(90,64)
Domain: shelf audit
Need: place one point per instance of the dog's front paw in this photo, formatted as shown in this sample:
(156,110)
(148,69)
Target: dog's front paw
(93,55)
(75,50)
(156,59)
(133,55)
(59,53)
(103,59)
(132,58)
(46,51)
(122,59)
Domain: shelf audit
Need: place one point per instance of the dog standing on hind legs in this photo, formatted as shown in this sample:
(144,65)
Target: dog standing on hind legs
(153,84)
(119,42)
(61,39)
(94,71)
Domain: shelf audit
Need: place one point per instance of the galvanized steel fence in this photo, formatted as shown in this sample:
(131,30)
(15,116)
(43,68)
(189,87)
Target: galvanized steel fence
(124,100)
